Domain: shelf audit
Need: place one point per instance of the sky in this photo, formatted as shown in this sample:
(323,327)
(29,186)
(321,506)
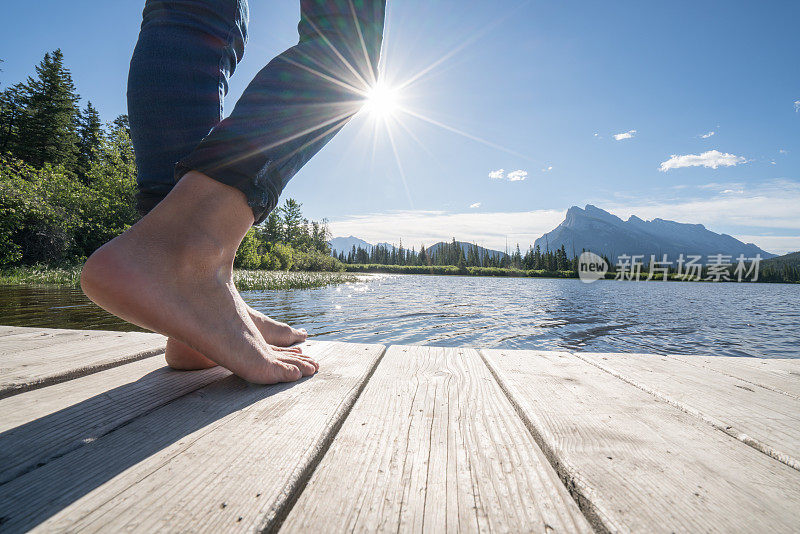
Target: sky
(682,110)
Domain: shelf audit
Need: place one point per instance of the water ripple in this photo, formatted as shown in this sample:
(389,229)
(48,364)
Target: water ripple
(513,313)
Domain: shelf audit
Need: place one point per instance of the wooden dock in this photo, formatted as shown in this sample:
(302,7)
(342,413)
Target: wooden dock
(96,434)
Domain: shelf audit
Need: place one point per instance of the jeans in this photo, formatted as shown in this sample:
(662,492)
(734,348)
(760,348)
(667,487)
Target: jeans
(187,51)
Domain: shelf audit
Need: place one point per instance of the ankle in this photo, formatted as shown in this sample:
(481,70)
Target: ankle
(206,209)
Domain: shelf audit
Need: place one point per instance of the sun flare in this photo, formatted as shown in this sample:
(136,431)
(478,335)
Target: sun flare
(381,100)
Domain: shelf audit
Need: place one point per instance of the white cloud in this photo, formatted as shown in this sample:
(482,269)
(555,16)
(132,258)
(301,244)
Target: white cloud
(796,106)
(547,169)
(707,135)
(512,176)
(625,135)
(782,151)
(711,159)
(475,205)
(777,244)
(517,176)
(417,227)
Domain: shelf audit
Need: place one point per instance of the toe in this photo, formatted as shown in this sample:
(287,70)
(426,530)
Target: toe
(288,371)
(286,349)
(306,367)
(299,335)
(310,360)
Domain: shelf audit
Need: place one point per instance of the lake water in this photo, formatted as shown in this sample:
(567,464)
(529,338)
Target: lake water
(514,313)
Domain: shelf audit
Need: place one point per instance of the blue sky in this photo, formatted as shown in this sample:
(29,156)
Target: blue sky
(541,87)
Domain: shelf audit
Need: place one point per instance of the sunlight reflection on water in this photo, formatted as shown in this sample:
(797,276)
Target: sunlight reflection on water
(690,318)
(513,313)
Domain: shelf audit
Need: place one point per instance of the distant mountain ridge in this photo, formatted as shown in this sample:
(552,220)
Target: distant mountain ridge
(346,244)
(601,232)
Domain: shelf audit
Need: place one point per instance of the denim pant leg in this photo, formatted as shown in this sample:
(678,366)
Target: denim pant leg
(296,103)
(187,50)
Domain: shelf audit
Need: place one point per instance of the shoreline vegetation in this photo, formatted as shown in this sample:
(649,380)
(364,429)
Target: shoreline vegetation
(245,280)
(525,273)
(469,259)
(258,279)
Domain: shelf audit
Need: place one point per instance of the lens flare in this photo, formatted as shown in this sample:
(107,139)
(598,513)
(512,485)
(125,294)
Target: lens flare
(381,100)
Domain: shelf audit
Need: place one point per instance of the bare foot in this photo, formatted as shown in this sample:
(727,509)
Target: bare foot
(171,273)
(280,335)
(275,332)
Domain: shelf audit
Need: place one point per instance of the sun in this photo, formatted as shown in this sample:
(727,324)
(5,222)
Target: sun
(381,101)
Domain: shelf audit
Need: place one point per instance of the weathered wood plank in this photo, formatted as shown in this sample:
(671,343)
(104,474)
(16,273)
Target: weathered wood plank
(7,330)
(40,425)
(764,419)
(433,445)
(778,374)
(42,366)
(23,339)
(637,463)
(227,457)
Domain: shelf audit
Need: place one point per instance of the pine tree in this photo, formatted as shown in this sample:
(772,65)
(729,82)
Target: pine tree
(292,222)
(122,122)
(423,256)
(516,258)
(12,109)
(90,139)
(273,227)
(48,129)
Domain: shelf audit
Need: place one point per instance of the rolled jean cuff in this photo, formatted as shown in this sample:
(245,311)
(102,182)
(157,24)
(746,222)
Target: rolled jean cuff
(260,191)
(149,195)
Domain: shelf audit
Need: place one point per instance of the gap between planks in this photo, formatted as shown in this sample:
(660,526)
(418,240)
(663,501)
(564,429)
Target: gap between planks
(243,452)
(634,462)
(93,351)
(433,445)
(729,427)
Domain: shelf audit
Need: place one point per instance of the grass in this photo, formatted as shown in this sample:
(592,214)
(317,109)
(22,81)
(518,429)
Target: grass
(245,280)
(38,275)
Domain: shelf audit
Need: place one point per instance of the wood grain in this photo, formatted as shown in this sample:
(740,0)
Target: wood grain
(89,352)
(47,423)
(764,419)
(22,338)
(635,462)
(778,374)
(227,457)
(433,445)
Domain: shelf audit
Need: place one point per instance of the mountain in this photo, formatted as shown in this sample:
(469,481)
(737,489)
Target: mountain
(345,244)
(434,249)
(603,233)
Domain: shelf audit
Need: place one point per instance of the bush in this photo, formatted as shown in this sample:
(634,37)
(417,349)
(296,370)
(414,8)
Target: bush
(40,212)
(247,254)
(270,262)
(284,255)
(49,217)
(314,260)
